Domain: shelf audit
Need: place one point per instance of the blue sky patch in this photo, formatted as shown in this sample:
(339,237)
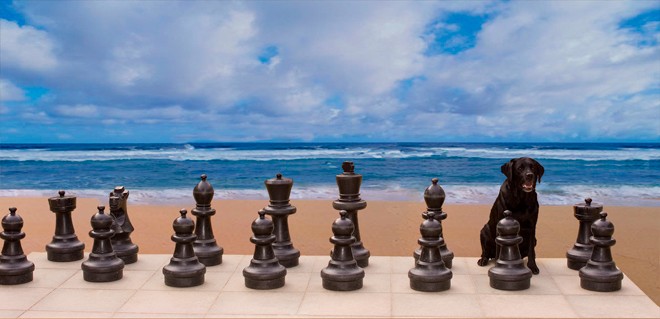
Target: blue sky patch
(9,12)
(646,24)
(268,53)
(453,33)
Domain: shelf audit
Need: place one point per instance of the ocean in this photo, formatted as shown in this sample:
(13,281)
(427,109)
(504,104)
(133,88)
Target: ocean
(611,174)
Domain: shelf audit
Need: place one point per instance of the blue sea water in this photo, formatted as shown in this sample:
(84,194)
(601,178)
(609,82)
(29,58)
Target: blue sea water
(611,174)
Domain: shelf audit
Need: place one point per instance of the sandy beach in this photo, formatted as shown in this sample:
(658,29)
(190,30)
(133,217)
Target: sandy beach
(387,228)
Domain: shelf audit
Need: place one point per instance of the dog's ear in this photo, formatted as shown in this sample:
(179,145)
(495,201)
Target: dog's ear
(539,170)
(507,169)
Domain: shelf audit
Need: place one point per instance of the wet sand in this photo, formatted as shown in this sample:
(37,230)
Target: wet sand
(387,228)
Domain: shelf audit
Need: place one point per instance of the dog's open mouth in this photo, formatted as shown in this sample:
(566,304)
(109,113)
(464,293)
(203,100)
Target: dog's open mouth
(528,187)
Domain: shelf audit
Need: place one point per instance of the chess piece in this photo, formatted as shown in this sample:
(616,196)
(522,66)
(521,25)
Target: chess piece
(264,271)
(184,269)
(349,200)
(509,272)
(586,213)
(434,196)
(343,272)
(15,268)
(600,273)
(207,250)
(430,273)
(65,245)
(279,190)
(121,241)
(103,265)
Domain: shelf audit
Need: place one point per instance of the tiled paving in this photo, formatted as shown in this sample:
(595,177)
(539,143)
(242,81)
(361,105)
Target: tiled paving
(58,290)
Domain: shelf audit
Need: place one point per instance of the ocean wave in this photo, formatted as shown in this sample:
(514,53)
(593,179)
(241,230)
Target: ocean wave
(455,194)
(189,152)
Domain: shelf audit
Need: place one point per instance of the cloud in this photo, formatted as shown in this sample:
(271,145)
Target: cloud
(10,92)
(327,70)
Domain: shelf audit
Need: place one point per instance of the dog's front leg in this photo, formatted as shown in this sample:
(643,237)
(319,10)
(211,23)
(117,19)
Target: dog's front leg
(531,254)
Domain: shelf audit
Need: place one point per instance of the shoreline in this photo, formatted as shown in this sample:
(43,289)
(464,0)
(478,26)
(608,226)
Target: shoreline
(387,228)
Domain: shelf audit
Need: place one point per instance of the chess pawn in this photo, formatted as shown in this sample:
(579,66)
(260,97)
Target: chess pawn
(15,268)
(279,190)
(586,213)
(600,273)
(349,200)
(430,273)
(122,244)
(264,271)
(206,248)
(434,196)
(103,265)
(184,269)
(343,272)
(509,272)
(65,245)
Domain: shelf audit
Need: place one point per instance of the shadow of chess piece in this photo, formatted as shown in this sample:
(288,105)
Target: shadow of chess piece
(65,245)
(434,196)
(279,190)
(103,265)
(349,200)
(184,269)
(430,273)
(121,241)
(207,250)
(343,272)
(509,272)
(600,273)
(15,268)
(264,271)
(586,213)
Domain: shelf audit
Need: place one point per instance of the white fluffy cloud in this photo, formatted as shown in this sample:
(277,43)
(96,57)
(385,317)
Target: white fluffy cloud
(327,70)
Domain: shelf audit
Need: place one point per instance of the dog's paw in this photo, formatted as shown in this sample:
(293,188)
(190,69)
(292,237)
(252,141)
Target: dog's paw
(483,261)
(533,268)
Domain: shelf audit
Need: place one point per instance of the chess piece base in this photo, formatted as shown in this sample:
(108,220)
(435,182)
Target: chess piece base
(510,285)
(128,258)
(208,255)
(600,286)
(578,256)
(128,252)
(287,257)
(58,252)
(184,282)
(506,278)
(361,255)
(330,284)
(601,278)
(264,277)
(17,273)
(338,278)
(184,275)
(103,269)
(430,280)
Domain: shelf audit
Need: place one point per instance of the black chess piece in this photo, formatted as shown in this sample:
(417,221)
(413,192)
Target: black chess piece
(349,200)
(279,190)
(121,241)
(600,273)
(509,272)
(65,245)
(434,196)
(343,272)
(103,265)
(207,250)
(184,269)
(15,268)
(264,271)
(430,272)
(586,213)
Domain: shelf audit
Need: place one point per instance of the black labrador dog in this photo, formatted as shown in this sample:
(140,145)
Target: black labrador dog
(517,194)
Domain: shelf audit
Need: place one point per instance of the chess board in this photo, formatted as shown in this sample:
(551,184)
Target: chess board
(58,290)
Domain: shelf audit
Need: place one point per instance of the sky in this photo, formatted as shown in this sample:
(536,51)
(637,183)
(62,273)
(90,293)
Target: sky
(329,71)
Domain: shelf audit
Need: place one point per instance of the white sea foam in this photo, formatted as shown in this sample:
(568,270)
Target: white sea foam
(189,152)
(456,194)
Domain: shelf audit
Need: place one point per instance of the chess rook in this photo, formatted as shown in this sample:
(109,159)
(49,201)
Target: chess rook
(279,191)
(206,248)
(15,268)
(586,213)
(343,272)
(434,196)
(600,273)
(264,271)
(509,272)
(184,269)
(103,265)
(349,200)
(430,273)
(65,245)
(122,244)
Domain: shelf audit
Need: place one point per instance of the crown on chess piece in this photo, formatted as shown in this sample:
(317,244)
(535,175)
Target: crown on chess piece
(279,190)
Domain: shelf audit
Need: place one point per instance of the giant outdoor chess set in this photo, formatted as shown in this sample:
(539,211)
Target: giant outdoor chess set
(197,280)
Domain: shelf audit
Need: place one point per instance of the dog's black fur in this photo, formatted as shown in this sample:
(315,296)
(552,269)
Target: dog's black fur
(517,194)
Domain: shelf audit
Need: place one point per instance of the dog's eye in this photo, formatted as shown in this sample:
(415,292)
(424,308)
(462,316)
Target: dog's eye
(520,168)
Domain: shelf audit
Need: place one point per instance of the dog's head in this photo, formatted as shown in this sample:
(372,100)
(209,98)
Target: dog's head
(523,173)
